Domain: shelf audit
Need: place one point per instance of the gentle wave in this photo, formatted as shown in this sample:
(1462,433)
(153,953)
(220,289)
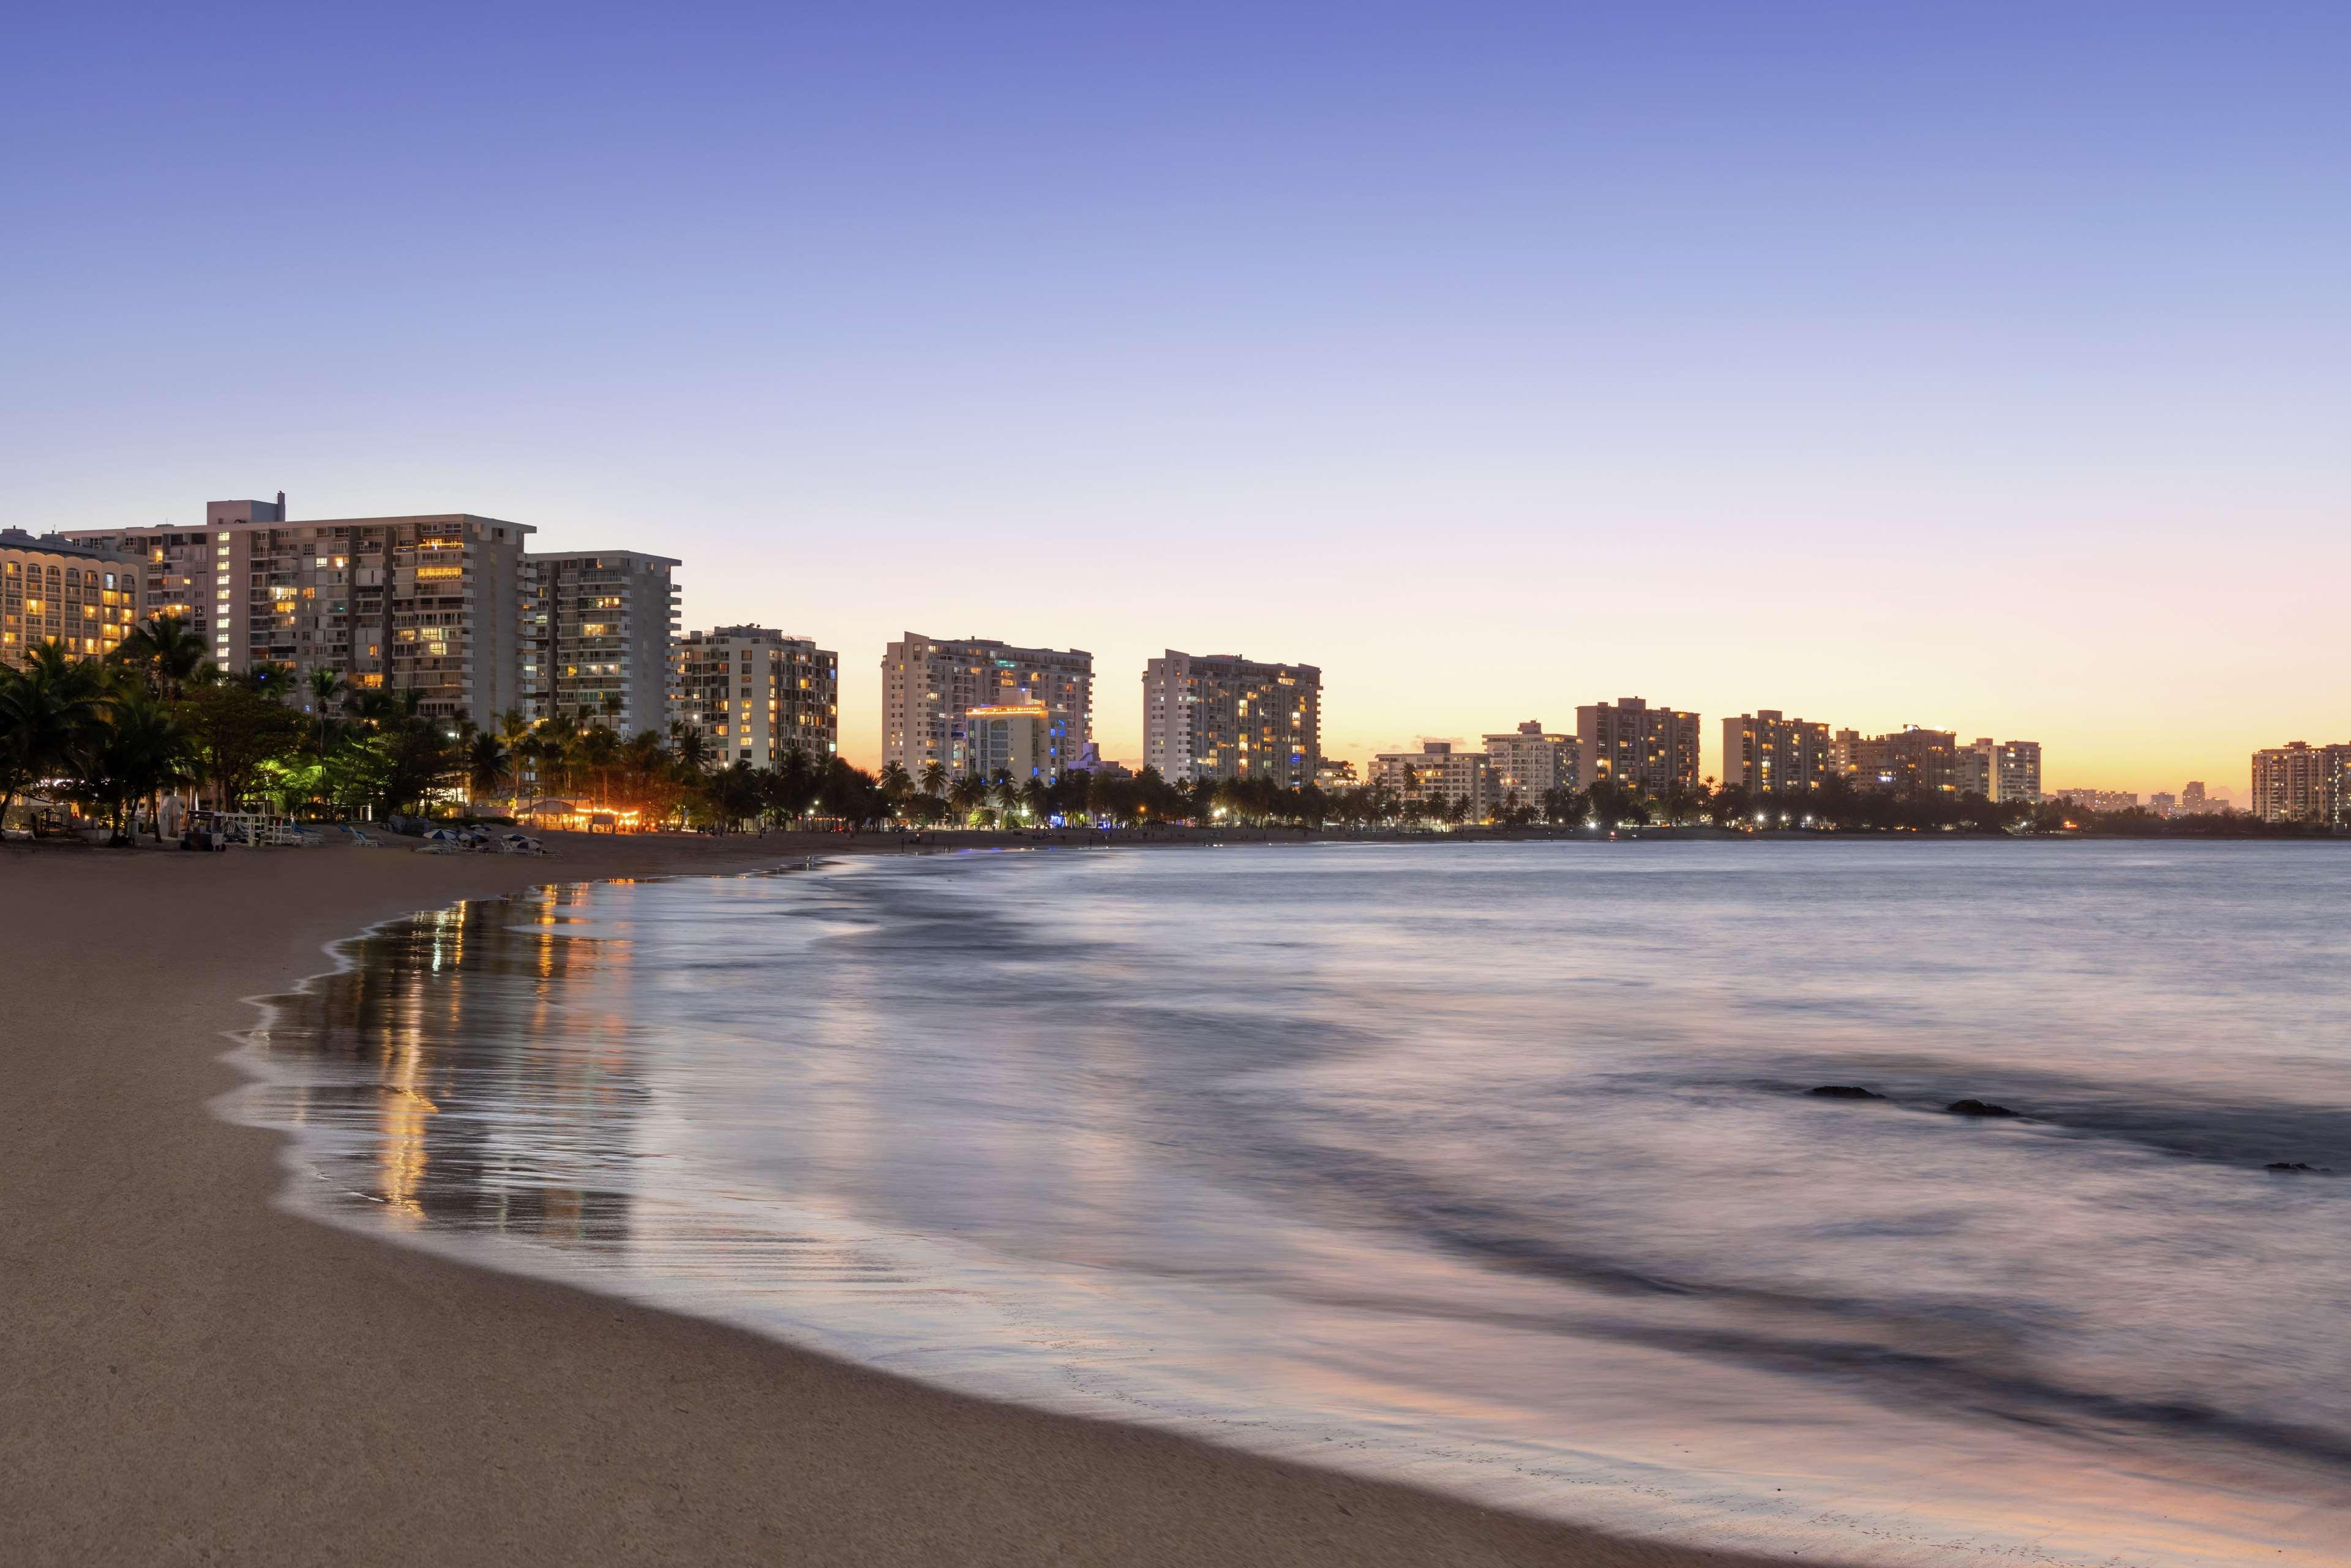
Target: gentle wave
(1488,1167)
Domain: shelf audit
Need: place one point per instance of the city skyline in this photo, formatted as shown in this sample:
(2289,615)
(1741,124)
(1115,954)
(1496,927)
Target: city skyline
(1989,387)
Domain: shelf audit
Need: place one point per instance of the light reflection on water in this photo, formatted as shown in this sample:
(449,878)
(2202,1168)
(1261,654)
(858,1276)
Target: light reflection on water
(1485,1166)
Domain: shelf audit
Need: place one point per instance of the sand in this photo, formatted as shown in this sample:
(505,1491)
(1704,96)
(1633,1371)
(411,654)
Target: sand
(192,1375)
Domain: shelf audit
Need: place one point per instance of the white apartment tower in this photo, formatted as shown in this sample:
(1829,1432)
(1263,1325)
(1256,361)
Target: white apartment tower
(1529,763)
(754,694)
(929,685)
(428,603)
(1437,772)
(1219,715)
(597,630)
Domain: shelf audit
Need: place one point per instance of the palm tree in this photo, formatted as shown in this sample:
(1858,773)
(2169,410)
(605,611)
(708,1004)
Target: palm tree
(969,794)
(488,765)
(689,745)
(165,652)
(326,685)
(896,784)
(935,778)
(50,711)
(1007,793)
(140,751)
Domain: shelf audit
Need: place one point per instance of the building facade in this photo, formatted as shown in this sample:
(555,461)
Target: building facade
(1219,715)
(753,694)
(1011,740)
(1632,743)
(1437,772)
(1909,758)
(1767,753)
(597,632)
(929,685)
(1530,762)
(82,597)
(2299,782)
(2016,772)
(430,604)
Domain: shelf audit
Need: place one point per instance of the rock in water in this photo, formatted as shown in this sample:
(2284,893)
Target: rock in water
(1977,1108)
(2294,1165)
(1844,1092)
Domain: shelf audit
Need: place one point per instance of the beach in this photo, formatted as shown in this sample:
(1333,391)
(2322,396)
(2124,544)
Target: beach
(197,1376)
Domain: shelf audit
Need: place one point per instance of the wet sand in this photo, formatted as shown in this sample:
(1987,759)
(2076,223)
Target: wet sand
(192,1375)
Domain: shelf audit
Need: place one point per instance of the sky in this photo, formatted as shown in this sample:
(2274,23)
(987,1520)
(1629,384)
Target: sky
(1983,367)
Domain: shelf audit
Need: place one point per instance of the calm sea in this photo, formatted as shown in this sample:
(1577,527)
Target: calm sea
(1489,1166)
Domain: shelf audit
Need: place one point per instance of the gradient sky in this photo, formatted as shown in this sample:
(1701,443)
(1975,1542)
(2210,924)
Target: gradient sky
(1981,366)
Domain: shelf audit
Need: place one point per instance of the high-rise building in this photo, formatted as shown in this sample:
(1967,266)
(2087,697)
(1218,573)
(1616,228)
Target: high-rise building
(2163,805)
(596,628)
(929,683)
(430,604)
(1630,742)
(1767,753)
(1219,715)
(1437,772)
(2016,772)
(752,694)
(2299,782)
(52,589)
(1909,758)
(1011,740)
(1333,774)
(1529,763)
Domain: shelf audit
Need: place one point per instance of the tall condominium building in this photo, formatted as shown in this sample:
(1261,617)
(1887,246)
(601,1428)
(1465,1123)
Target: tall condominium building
(1011,739)
(2299,782)
(929,685)
(2016,772)
(1437,772)
(596,628)
(2099,800)
(1975,767)
(1909,758)
(1767,753)
(1529,763)
(430,604)
(80,596)
(753,694)
(1630,742)
(1219,715)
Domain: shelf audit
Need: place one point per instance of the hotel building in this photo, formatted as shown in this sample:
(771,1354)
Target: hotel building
(1630,742)
(1529,763)
(753,694)
(929,685)
(1219,715)
(53,590)
(1767,753)
(430,604)
(1909,758)
(2016,772)
(1012,739)
(2299,782)
(597,627)
(1438,772)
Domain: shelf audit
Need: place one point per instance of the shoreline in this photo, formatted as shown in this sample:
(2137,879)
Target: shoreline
(206,1374)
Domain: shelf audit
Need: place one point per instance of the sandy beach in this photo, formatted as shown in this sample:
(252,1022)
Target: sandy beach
(196,1376)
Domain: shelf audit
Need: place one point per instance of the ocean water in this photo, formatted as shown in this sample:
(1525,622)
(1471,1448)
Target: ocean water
(1491,1168)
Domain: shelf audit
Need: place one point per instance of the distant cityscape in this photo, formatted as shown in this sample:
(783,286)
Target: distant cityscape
(457,611)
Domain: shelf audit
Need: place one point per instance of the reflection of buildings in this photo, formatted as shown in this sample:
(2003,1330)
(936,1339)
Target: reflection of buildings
(474,1103)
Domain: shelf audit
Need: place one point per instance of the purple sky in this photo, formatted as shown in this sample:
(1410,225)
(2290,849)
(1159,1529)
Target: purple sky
(1980,367)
